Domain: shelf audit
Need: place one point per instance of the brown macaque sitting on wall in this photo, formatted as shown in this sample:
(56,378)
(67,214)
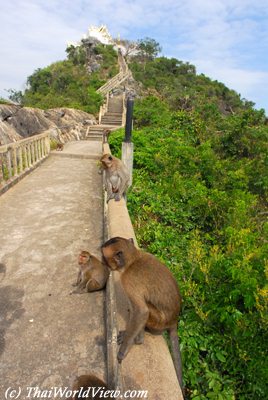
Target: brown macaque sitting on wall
(92,274)
(116,177)
(106,134)
(153,294)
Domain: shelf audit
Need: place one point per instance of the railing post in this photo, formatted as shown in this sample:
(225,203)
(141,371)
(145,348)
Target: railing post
(47,144)
(25,151)
(1,169)
(127,145)
(129,119)
(39,149)
(32,153)
(35,150)
(9,167)
(14,159)
(42,148)
(28,146)
(20,159)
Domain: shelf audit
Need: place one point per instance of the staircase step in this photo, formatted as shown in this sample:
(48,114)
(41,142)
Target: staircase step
(97,131)
(112,116)
(97,138)
(111,123)
(116,114)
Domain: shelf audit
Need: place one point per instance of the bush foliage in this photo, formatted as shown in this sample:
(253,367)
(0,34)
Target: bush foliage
(199,203)
(68,84)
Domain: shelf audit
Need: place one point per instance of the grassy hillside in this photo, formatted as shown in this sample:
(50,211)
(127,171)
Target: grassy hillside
(199,203)
(68,83)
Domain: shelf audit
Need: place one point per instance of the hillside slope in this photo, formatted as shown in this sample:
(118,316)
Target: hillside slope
(199,202)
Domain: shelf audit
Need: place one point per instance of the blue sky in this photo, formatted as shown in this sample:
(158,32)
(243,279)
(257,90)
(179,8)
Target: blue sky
(226,40)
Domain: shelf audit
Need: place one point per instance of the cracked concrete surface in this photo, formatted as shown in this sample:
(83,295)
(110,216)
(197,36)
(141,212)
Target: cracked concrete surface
(48,336)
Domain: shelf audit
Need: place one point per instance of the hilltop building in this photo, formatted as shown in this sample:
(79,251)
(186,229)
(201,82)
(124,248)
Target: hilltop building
(100,34)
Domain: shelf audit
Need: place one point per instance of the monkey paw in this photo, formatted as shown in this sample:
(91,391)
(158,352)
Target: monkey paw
(120,337)
(139,339)
(120,356)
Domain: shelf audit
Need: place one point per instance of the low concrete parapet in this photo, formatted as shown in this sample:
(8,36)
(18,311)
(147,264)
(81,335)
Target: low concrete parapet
(19,158)
(147,367)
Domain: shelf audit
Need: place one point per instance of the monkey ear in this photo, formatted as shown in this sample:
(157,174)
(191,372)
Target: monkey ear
(131,240)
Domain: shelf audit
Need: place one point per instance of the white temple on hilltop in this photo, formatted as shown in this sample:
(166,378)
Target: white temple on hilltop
(100,33)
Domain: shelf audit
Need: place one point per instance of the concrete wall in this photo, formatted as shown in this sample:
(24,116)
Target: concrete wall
(148,366)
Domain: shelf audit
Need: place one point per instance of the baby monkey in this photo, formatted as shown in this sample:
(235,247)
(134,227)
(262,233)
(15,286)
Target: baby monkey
(116,177)
(92,274)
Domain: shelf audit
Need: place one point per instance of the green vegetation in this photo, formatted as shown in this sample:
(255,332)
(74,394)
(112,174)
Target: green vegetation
(199,203)
(4,101)
(68,84)
(148,49)
(178,84)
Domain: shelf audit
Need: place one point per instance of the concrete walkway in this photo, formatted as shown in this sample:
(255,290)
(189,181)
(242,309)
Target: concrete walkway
(46,335)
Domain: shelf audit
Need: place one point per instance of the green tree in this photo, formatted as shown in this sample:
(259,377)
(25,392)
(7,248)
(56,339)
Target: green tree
(149,48)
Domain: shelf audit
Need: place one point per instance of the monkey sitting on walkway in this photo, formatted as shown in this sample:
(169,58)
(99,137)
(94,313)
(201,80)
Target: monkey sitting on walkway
(92,274)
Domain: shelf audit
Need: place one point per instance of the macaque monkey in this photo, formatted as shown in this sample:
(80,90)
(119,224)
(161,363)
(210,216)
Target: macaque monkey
(59,146)
(153,294)
(89,387)
(106,134)
(92,274)
(116,177)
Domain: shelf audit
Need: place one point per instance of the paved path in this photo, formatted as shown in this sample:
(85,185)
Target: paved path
(47,336)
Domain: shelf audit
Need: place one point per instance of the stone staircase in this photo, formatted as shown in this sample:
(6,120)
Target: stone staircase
(95,132)
(113,112)
(112,119)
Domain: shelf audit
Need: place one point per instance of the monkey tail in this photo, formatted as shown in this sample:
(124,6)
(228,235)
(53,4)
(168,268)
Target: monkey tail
(176,354)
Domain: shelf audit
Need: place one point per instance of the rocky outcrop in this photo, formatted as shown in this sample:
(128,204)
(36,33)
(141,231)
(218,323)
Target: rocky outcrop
(7,133)
(65,124)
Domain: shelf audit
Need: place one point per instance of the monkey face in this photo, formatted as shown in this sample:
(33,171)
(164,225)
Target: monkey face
(114,252)
(83,257)
(107,160)
(115,261)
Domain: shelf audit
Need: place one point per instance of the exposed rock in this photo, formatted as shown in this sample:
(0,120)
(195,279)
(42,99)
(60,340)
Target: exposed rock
(7,133)
(29,121)
(64,124)
(7,110)
(66,116)
(72,123)
(93,66)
